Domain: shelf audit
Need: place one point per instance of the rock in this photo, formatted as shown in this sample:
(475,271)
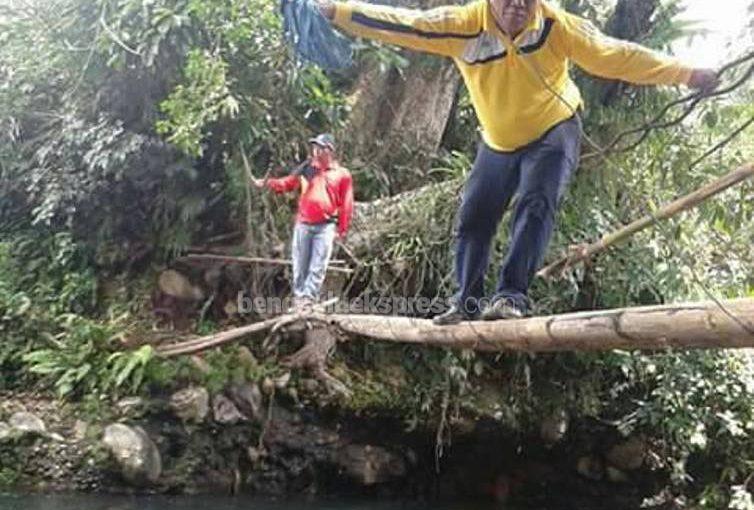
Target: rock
(80,428)
(225,411)
(5,431)
(554,427)
(628,455)
(135,453)
(246,358)
(131,407)
(590,467)
(370,465)
(56,437)
(190,404)
(27,423)
(173,283)
(248,398)
(282,381)
(254,454)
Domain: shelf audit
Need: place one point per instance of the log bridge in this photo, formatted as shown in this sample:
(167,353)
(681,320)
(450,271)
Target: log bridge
(702,325)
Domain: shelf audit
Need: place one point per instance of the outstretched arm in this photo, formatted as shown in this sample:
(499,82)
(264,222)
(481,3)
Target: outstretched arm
(442,30)
(608,57)
(281,185)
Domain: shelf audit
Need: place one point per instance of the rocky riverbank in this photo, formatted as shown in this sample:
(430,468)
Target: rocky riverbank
(244,441)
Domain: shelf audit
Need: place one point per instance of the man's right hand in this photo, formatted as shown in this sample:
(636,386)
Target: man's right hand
(327,8)
(704,80)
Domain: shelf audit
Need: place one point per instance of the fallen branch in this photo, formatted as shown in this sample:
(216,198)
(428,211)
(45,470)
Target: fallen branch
(704,325)
(260,260)
(684,203)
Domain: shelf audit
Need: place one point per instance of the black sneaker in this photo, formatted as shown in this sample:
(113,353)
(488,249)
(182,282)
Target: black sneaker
(503,309)
(453,315)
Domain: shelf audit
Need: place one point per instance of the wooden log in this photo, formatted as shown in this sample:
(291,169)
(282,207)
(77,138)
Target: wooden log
(682,204)
(729,324)
(704,325)
(216,340)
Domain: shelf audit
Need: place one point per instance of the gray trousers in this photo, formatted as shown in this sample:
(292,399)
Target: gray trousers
(310,251)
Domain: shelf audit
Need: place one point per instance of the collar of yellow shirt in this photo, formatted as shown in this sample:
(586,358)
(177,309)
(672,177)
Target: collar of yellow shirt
(490,25)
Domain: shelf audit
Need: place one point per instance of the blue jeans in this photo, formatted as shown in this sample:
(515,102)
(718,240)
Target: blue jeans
(310,251)
(538,173)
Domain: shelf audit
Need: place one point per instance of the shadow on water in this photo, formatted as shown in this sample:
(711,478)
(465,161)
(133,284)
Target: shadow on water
(108,502)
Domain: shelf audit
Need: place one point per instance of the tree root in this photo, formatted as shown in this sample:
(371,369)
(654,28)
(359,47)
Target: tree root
(319,344)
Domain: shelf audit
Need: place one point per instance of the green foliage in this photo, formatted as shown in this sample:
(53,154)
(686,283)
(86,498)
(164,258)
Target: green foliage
(191,107)
(80,360)
(46,332)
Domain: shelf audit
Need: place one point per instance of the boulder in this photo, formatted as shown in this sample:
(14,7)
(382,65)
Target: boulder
(190,404)
(27,423)
(225,411)
(136,454)
(248,398)
(174,284)
(628,455)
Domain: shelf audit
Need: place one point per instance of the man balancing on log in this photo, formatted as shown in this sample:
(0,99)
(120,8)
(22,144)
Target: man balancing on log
(325,208)
(514,57)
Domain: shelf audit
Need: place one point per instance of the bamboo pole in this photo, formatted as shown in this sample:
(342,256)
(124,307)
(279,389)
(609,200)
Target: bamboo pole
(703,325)
(682,204)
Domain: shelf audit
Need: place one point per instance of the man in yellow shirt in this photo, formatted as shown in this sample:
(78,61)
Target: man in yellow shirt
(514,57)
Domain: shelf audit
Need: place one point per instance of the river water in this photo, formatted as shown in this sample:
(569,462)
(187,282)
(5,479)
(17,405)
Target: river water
(107,502)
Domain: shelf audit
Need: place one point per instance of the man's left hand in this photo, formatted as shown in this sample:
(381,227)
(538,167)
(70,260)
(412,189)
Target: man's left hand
(704,80)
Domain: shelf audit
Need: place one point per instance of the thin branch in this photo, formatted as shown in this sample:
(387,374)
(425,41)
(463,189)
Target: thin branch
(722,143)
(114,36)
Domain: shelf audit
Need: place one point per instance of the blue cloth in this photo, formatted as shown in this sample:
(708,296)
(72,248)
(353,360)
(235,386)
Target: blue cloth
(310,251)
(312,36)
(539,173)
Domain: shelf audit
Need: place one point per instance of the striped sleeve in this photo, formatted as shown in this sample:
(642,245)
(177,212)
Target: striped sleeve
(442,30)
(607,57)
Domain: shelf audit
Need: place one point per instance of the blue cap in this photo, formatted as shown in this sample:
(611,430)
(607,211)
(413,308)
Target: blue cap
(324,140)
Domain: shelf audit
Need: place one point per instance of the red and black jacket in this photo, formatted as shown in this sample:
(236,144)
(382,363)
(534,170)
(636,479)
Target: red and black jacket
(326,195)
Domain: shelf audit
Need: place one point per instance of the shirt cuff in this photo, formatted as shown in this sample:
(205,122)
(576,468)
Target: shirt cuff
(684,74)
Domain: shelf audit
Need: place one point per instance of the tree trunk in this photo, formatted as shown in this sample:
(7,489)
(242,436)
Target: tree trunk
(631,21)
(398,117)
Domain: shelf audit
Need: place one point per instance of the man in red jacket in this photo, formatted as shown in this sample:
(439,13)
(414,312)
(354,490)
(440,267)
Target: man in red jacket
(325,208)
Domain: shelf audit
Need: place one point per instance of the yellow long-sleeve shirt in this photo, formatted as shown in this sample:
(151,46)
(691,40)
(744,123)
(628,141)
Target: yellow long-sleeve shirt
(511,82)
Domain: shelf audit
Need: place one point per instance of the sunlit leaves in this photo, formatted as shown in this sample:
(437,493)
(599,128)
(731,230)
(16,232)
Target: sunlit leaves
(203,98)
